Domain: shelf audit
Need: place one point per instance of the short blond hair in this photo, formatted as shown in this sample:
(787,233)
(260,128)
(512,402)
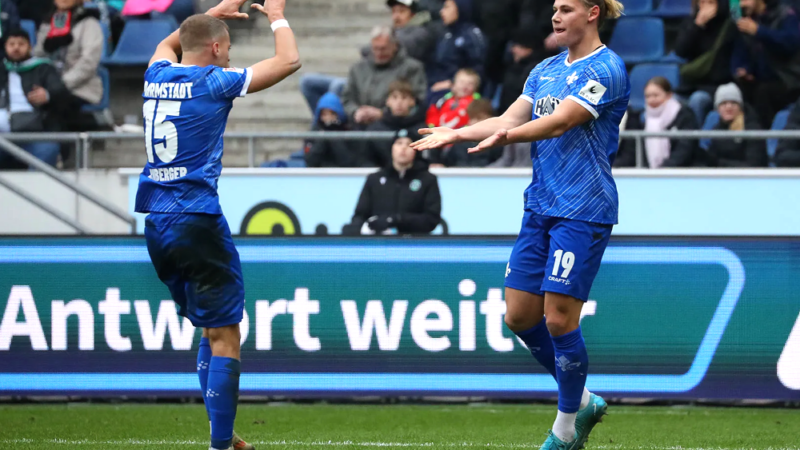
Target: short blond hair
(199,30)
(609,9)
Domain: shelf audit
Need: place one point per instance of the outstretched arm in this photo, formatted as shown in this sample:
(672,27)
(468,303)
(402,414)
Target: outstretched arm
(567,116)
(286,61)
(170,47)
(518,113)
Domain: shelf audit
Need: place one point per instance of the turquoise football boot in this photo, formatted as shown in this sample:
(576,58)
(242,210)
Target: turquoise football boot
(554,443)
(589,417)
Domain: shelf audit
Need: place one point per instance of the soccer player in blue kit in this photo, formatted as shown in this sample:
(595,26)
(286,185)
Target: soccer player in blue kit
(186,109)
(570,109)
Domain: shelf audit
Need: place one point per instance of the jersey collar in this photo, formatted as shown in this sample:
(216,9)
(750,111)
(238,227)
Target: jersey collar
(568,64)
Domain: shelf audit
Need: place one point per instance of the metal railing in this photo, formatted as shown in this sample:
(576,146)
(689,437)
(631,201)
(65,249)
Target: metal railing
(83,141)
(77,188)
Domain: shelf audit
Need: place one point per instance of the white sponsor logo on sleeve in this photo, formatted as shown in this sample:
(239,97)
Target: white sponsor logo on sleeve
(592,92)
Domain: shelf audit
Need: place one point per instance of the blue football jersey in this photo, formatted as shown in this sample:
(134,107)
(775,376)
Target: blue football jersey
(185,113)
(572,173)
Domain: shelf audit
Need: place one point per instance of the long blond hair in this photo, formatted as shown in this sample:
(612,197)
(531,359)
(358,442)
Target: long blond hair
(609,9)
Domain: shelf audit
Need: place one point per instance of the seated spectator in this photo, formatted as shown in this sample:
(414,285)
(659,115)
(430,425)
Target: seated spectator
(735,116)
(73,40)
(30,93)
(9,21)
(462,47)
(330,116)
(788,151)
(662,112)
(517,72)
(766,56)
(451,110)
(705,40)
(403,197)
(368,83)
(415,30)
(401,112)
(458,155)
(514,155)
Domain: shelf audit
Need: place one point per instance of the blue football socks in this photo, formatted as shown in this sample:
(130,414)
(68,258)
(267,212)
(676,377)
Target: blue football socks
(572,365)
(203,361)
(222,396)
(540,345)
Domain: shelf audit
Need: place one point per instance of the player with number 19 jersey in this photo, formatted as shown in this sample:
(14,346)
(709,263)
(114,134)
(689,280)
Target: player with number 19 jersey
(185,113)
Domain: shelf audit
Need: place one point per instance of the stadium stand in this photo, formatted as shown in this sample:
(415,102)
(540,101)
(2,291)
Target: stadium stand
(139,40)
(638,7)
(778,124)
(638,39)
(642,73)
(30,27)
(673,8)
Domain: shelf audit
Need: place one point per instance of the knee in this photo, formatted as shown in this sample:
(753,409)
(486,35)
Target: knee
(224,341)
(517,322)
(559,324)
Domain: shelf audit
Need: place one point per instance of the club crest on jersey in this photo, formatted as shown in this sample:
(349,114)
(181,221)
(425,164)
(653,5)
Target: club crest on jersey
(546,105)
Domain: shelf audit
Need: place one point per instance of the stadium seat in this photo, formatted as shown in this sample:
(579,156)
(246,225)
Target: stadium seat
(638,39)
(642,73)
(671,57)
(779,123)
(673,8)
(30,27)
(638,7)
(298,155)
(712,119)
(105,102)
(139,40)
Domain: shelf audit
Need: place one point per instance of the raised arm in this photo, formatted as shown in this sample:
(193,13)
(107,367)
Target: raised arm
(518,113)
(286,61)
(170,47)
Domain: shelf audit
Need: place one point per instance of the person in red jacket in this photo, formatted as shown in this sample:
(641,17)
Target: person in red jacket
(451,110)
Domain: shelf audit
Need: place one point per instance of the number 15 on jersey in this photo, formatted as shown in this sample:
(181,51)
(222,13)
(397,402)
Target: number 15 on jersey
(161,135)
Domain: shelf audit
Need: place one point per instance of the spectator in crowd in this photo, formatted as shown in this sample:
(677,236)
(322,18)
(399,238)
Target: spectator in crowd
(330,116)
(451,110)
(662,112)
(766,56)
(35,10)
(367,86)
(73,40)
(705,40)
(402,197)
(734,115)
(458,155)
(432,6)
(462,47)
(415,30)
(517,72)
(402,112)
(31,92)
(9,20)
(788,152)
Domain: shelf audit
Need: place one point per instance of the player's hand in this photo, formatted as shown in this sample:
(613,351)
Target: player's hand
(273,9)
(228,9)
(498,139)
(747,26)
(435,138)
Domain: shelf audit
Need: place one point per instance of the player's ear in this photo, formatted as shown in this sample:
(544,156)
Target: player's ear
(215,48)
(594,13)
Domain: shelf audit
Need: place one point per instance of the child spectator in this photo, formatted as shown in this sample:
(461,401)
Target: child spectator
(458,154)
(330,116)
(451,110)
(401,112)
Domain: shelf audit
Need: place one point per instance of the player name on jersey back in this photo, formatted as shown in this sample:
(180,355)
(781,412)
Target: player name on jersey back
(177,91)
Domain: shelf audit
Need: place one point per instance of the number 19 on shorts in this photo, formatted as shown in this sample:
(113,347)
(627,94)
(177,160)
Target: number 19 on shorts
(564,260)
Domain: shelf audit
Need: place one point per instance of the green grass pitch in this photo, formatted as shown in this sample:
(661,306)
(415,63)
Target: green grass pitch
(304,426)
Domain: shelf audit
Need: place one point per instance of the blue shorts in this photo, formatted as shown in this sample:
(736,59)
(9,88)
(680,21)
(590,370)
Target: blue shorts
(556,255)
(194,256)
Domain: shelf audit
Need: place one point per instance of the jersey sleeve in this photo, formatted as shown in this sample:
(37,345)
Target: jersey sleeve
(229,83)
(156,67)
(600,87)
(529,91)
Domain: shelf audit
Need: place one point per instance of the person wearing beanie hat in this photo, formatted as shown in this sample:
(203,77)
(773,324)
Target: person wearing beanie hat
(766,56)
(403,197)
(734,115)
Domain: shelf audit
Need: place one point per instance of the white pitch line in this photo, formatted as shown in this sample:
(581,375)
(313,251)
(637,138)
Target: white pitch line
(294,443)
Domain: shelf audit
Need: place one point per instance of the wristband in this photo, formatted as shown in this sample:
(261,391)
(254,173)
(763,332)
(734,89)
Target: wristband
(282,23)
